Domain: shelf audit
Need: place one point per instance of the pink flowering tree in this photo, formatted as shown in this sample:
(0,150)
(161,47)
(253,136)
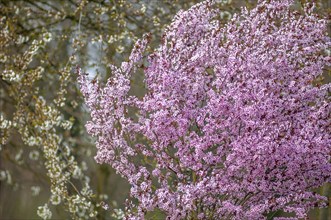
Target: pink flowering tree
(232,124)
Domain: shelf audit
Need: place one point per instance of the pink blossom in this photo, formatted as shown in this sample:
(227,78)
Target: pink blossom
(231,125)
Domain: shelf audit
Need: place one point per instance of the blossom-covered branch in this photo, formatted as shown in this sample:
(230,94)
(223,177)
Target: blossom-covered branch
(231,125)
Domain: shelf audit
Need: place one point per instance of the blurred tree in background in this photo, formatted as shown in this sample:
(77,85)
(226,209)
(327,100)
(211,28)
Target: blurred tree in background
(47,164)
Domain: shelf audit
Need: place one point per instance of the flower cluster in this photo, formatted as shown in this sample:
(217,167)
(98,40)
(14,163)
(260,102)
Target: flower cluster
(233,123)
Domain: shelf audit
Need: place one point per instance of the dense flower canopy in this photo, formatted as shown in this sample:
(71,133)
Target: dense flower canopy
(232,124)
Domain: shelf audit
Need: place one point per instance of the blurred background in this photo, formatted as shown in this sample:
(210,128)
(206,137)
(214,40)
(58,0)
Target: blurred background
(46,155)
